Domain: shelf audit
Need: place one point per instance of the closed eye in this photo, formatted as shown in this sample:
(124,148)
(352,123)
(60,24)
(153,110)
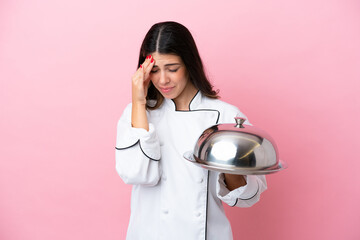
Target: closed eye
(173,70)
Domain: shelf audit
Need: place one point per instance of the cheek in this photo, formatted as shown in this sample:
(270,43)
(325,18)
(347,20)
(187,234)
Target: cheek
(185,74)
(182,80)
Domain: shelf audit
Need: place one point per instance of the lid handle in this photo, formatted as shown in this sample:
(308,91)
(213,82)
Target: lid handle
(239,122)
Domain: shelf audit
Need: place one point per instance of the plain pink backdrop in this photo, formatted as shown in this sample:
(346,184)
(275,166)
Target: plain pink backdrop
(293,67)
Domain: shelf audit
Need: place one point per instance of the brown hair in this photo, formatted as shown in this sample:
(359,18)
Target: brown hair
(174,38)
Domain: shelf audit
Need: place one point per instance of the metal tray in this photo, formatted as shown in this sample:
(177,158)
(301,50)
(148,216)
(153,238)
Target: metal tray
(234,170)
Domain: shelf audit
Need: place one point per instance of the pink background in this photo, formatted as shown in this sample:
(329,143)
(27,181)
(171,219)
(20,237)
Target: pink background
(293,67)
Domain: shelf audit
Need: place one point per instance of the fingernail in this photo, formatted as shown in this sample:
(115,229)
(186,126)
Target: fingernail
(148,57)
(140,65)
(152,60)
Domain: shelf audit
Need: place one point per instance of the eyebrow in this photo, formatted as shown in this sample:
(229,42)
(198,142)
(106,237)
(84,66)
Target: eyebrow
(169,64)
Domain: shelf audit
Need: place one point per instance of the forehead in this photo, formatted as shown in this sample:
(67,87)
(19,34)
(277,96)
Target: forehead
(165,59)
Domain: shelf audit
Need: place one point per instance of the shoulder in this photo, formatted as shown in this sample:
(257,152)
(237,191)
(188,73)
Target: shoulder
(126,114)
(127,109)
(226,110)
(219,105)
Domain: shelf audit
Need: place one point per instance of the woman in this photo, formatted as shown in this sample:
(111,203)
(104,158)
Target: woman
(172,104)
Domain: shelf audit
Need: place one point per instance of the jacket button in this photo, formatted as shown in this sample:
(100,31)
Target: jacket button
(200,180)
(198,214)
(165,211)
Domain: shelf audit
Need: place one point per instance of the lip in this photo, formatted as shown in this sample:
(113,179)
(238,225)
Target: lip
(166,90)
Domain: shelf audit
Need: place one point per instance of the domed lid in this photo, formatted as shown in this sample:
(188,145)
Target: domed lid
(236,149)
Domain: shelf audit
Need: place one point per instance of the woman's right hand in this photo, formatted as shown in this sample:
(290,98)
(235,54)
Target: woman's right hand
(141,81)
(140,85)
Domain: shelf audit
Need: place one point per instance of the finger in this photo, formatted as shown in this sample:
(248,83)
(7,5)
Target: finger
(145,64)
(138,71)
(147,61)
(143,71)
(138,77)
(148,69)
(150,65)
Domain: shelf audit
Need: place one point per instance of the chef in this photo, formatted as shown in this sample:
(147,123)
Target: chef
(172,104)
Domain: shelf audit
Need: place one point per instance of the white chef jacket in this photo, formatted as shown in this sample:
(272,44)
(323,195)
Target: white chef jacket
(172,198)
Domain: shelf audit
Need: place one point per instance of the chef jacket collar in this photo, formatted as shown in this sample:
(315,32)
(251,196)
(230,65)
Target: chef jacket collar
(194,103)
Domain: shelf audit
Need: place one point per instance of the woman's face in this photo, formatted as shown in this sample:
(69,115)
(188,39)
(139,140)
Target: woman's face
(170,77)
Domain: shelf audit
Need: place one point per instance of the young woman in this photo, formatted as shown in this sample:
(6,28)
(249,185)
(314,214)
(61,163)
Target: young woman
(172,104)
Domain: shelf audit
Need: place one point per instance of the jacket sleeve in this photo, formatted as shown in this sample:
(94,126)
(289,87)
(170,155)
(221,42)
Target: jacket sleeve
(247,195)
(244,196)
(137,152)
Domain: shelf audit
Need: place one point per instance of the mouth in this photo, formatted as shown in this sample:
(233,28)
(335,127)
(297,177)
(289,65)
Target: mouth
(166,90)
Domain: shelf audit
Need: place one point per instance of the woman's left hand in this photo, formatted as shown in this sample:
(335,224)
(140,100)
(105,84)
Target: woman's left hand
(233,181)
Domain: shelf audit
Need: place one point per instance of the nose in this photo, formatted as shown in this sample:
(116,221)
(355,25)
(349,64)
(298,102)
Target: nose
(164,79)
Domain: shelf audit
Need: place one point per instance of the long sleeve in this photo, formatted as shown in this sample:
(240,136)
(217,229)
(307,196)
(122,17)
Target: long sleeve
(244,196)
(137,152)
(247,195)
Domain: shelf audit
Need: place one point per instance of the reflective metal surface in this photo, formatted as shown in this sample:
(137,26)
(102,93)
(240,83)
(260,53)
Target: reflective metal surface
(236,149)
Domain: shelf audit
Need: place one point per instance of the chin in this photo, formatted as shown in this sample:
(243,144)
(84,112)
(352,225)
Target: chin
(169,96)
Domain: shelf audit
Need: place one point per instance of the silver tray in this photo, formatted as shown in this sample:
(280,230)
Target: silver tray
(234,170)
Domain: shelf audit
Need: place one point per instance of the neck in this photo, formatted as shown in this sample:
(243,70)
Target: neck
(182,102)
